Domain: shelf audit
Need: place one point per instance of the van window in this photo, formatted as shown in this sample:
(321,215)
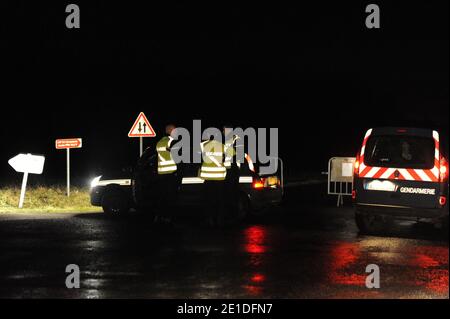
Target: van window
(400,152)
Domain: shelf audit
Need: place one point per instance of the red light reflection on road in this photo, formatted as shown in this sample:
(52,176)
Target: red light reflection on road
(433,272)
(424,261)
(255,286)
(255,245)
(253,290)
(425,266)
(255,237)
(258,278)
(343,255)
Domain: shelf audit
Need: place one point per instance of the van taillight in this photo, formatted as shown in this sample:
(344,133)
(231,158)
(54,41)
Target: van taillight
(356,166)
(442,200)
(354,194)
(443,170)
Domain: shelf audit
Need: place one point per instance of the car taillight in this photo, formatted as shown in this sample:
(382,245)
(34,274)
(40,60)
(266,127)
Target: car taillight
(354,194)
(443,170)
(258,184)
(442,200)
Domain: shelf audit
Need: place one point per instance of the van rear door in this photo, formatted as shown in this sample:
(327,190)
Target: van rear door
(400,167)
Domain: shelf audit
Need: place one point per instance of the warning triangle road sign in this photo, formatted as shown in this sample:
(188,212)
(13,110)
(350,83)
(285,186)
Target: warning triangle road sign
(141,127)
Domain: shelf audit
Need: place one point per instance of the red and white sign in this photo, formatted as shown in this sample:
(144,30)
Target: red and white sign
(68,143)
(142,127)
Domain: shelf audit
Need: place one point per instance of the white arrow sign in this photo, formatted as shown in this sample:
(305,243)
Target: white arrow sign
(27,164)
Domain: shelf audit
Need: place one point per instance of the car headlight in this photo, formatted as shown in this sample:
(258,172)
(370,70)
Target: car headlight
(94,182)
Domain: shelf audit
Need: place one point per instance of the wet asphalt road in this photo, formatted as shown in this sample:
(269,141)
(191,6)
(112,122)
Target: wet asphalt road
(305,249)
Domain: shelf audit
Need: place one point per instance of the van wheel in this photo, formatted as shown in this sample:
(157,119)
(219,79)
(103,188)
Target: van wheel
(444,226)
(115,203)
(370,224)
(360,223)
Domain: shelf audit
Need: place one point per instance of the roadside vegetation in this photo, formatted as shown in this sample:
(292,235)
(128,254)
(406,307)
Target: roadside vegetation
(46,199)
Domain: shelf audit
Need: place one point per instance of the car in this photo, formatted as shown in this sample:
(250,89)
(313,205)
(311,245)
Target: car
(113,192)
(400,173)
(136,189)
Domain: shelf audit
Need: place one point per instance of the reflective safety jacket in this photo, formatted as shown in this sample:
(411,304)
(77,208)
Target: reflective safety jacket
(213,168)
(229,151)
(166,164)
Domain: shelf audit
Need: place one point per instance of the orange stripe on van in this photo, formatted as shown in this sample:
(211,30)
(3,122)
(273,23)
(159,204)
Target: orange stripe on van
(380,172)
(413,173)
(365,171)
(431,175)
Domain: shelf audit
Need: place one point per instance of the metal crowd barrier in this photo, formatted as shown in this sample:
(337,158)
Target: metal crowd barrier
(340,177)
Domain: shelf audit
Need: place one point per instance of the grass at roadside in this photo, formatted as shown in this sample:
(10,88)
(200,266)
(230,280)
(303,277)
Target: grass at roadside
(46,200)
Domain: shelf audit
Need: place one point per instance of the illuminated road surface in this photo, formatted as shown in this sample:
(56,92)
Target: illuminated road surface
(303,251)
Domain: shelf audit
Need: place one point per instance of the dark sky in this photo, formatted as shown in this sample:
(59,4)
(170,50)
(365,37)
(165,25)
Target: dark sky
(313,71)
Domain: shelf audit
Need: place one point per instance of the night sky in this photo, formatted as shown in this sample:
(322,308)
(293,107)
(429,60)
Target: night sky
(314,71)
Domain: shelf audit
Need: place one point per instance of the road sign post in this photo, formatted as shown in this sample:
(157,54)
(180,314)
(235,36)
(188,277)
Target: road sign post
(23,189)
(141,128)
(67,144)
(68,171)
(26,164)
